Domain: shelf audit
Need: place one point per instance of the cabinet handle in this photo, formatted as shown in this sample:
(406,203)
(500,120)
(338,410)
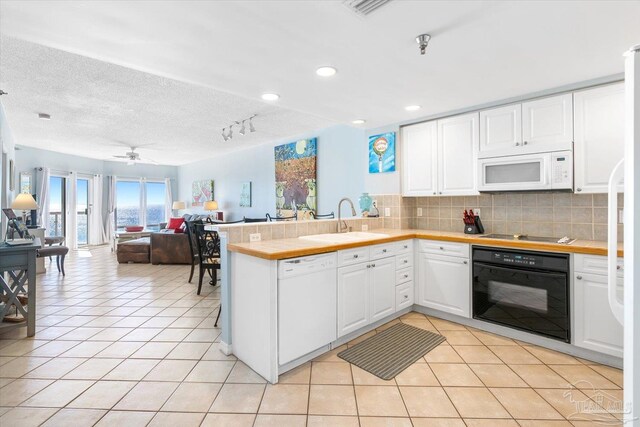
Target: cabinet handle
(440,192)
(406,261)
(384,251)
(406,276)
(355,256)
(619,267)
(578,189)
(406,297)
(579,277)
(368,265)
(465,262)
(441,248)
(406,247)
(525,143)
(434,193)
(517,144)
(373,265)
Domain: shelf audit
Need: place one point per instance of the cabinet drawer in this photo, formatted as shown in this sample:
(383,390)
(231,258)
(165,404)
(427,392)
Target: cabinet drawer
(444,248)
(595,264)
(353,256)
(381,251)
(403,261)
(404,247)
(404,275)
(404,296)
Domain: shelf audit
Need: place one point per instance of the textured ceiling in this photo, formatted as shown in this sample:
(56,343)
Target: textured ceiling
(99,109)
(480,51)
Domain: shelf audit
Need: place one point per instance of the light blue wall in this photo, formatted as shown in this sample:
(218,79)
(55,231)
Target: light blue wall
(341,169)
(7,153)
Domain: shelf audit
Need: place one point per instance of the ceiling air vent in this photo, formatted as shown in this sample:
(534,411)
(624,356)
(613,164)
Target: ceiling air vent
(364,7)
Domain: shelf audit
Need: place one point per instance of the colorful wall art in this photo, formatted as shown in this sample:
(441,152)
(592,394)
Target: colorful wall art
(201,191)
(296,178)
(382,153)
(245,194)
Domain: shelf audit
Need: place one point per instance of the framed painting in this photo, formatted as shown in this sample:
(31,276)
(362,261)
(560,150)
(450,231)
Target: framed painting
(296,178)
(201,191)
(382,153)
(245,194)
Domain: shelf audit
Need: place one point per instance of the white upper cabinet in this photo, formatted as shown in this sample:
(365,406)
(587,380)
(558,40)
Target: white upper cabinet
(547,124)
(500,130)
(419,159)
(599,136)
(458,155)
(439,157)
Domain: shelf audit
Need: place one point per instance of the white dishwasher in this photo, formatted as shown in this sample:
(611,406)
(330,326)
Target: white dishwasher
(307,292)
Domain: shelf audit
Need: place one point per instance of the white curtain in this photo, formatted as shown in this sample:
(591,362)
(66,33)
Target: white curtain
(42,192)
(168,199)
(72,211)
(97,234)
(111,208)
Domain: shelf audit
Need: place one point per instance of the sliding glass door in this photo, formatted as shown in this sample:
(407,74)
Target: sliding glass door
(57,206)
(83,206)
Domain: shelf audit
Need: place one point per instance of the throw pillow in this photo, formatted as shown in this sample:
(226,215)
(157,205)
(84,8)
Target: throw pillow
(175,223)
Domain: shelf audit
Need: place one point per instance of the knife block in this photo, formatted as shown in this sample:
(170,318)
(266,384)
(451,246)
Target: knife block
(475,228)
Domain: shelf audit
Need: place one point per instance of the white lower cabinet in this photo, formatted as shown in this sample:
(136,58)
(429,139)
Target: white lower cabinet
(383,292)
(595,326)
(444,283)
(353,298)
(375,287)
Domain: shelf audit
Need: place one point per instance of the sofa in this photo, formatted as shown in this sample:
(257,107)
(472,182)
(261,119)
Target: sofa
(171,247)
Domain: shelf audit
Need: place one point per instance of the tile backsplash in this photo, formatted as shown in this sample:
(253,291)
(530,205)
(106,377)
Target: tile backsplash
(580,216)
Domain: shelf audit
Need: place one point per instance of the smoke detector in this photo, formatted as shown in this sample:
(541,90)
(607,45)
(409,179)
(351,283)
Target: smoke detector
(364,7)
(423,42)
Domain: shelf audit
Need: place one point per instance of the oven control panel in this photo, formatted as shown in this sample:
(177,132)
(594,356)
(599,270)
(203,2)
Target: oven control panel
(517,259)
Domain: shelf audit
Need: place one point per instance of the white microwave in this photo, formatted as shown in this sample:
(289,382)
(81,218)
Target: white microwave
(537,171)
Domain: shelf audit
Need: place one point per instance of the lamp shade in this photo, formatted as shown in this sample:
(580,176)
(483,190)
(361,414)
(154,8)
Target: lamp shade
(179,205)
(210,205)
(24,202)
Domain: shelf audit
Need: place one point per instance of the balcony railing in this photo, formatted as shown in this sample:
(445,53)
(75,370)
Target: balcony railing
(55,224)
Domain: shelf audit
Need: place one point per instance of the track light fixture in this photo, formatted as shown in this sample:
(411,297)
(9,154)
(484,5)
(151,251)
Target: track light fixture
(243,130)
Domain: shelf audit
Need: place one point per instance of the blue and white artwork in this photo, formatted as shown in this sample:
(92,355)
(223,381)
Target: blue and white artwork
(382,153)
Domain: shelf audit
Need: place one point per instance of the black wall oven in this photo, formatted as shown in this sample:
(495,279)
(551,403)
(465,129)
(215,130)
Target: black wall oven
(523,290)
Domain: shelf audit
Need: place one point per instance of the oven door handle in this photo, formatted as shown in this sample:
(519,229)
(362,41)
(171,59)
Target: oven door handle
(521,270)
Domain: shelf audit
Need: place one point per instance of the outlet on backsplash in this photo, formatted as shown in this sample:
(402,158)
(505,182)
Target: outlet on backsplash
(620,216)
(419,211)
(387,211)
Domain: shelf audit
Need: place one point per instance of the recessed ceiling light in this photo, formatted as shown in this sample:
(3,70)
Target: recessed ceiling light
(270,96)
(44,116)
(412,107)
(359,121)
(326,71)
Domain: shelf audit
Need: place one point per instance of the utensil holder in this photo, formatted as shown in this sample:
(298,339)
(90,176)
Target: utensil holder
(475,228)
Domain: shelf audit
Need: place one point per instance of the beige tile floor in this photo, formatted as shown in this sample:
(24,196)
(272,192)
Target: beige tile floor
(134,345)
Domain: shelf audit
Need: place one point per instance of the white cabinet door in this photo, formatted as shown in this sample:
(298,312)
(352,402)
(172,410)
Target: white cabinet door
(595,326)
(383,288)
(457,155)
(444,284)
(353,298)
(599,136)
(547,124)
(419,159)
(500,130)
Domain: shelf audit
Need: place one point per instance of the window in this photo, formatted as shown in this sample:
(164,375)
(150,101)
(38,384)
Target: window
(56,220)
(140,202)
(155,204)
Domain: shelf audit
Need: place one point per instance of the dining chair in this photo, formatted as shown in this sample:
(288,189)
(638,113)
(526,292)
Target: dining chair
(323,216)
(293,217)
(209,254)
(193,245)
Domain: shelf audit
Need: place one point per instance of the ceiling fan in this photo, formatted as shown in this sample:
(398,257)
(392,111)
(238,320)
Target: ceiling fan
(133,157)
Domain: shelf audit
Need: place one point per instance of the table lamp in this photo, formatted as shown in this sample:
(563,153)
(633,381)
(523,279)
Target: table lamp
(211,205)
(178,205)
(24,202)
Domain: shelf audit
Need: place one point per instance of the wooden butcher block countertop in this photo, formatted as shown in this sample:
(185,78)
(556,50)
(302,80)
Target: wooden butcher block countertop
(290,248)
